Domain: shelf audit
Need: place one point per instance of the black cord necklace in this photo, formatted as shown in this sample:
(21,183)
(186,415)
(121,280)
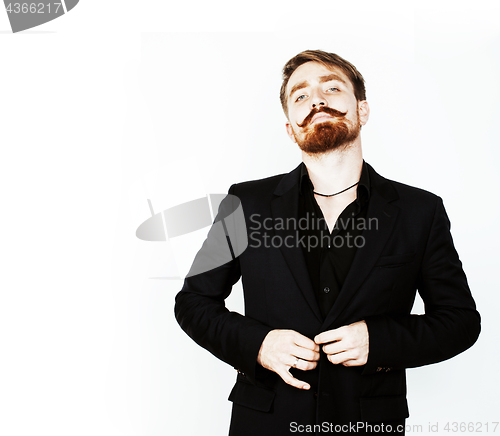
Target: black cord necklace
(337,193)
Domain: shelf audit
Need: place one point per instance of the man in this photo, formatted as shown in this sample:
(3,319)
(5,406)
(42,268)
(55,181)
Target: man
(335,256)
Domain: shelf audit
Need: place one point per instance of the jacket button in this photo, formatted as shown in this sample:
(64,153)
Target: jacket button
(326,290)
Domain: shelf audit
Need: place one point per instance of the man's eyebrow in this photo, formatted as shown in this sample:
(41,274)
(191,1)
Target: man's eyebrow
(322,79)
(298,86)
(331,77)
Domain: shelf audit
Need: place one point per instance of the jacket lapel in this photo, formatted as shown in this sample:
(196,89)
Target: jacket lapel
(383,215)
(285,206)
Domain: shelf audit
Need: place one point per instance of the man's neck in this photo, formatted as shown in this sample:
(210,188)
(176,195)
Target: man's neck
(335,170)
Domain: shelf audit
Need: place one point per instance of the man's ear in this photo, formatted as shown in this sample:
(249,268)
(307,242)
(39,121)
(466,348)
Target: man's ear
(289,131)
(363,111)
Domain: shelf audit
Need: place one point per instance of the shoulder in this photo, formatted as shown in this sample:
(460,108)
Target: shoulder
(259,186)
(413,193)
(400,191)
(268,186)
(256,195)
(413,201)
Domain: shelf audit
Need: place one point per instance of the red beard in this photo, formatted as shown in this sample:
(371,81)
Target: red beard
(328,135)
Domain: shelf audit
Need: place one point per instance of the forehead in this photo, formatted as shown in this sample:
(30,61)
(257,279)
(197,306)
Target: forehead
(312,72)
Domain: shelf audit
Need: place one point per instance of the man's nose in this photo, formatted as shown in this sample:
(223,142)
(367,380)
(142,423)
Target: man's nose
(318,100)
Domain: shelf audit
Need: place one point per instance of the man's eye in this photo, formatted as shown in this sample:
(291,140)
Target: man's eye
(300,97)
(333,88)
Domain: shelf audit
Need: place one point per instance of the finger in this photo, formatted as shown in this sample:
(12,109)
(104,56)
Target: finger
(353,362)
(305,342)
(339,358)
(335,347)
(305,353)
(330,336)
(304,365)
(292,381)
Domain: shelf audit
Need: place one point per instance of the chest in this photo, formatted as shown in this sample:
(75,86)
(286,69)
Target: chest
(332,207)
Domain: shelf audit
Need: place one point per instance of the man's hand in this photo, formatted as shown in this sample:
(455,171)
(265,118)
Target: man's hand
(347,345)
(280,350)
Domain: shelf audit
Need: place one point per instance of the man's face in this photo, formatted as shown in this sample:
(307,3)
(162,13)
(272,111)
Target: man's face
(323,112)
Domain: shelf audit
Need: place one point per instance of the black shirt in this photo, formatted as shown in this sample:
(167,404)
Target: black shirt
(329,255)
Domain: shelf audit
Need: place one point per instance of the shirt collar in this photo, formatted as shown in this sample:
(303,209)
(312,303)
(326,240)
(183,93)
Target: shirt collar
(364,180)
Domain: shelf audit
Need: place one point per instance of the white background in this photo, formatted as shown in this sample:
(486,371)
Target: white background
(121,101)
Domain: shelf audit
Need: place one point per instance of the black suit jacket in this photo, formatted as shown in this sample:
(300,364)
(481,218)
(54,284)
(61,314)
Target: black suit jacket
(407,247)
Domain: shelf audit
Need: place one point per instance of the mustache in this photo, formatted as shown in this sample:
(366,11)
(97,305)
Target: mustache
(328,110)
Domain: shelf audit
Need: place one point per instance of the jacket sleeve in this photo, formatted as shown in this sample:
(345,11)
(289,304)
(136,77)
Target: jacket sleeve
(451,323)
(200,308)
